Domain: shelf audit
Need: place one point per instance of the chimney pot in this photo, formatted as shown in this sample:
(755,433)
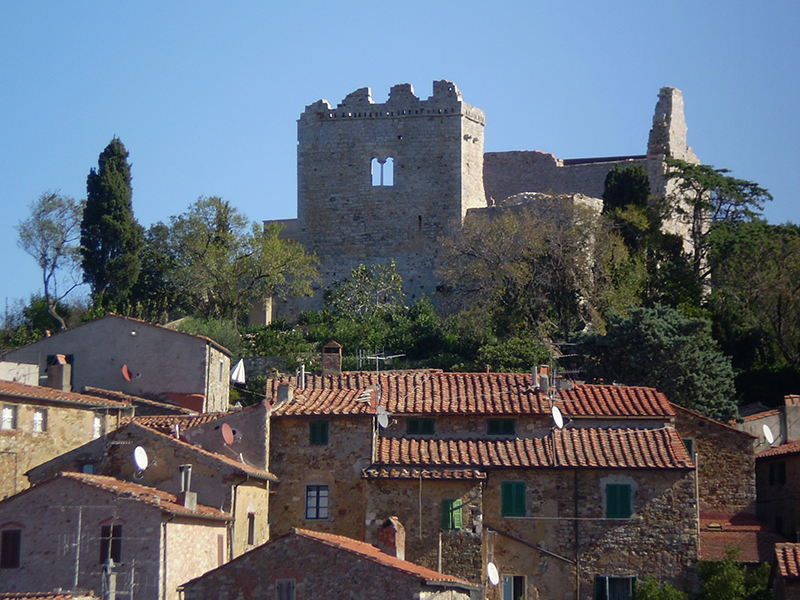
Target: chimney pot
(285,392)
(392,538)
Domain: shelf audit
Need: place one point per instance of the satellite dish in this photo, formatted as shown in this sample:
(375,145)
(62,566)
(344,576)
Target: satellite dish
(494,576)
(126,373)
(768,434)
(227,434)
(383,417)
(140,458)
(558,418)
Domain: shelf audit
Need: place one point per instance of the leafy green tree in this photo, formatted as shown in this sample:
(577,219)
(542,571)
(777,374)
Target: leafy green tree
(111,239)
(626,186)
(225,264)
(729,579)
(661,347)
(706,196)
(650,589)
(50,235)
(219,330)
(370,290)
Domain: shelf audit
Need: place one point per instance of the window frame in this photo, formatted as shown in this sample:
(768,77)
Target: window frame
(318,433)
(602,588)
(11,539)
(111,543)
(42,422)
(516,582)
(619,501)
(420,426)
(317,510)
(501,427)
(9,417)
(513,499)
(251,529)
(452,514)
(284,589)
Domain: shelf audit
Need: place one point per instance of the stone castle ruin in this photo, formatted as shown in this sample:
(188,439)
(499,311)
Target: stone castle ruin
(377,182)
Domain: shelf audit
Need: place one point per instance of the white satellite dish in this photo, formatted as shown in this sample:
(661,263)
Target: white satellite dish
(494,576)
(768,434)
(140,458)
(558,418)
(383,417)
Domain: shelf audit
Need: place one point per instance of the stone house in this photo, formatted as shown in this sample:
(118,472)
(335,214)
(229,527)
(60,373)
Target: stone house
(778,485)
(40,423)
(239,489)
(784,578)
(138,358)
(82,531)
(475,469)
(309,564)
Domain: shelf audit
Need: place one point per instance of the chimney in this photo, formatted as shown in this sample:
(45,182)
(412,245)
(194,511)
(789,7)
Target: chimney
(544,378)
(392,538)
(791,400)
(186,497)
(285,392)
(59,374)
(332,358)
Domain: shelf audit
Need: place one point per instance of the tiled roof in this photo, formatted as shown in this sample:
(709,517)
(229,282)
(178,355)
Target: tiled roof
(373,554)
(782,450)
(424,392)
(760,415)
(427,473)
(584,447)
(328,402)
(23,391)
(128,399)
(166,423)
(162,500)
(55,595)
(788,556)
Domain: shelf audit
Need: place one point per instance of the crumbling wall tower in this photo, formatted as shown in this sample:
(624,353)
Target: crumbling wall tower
(377,182)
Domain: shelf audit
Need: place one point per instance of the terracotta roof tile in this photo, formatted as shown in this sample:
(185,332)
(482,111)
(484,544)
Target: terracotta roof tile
(788,556)
(154,497)
(166,423)
(756,546)
(416,473)
(424,392)
(587,448)
(339,402)
(23,391)
(762,414)
(372,553)
(128,399)
(782,450)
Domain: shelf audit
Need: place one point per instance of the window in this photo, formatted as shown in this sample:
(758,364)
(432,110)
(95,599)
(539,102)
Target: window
(9,417)
(318,433)
(284,589)
(110,543)
(777,473)
(10,549)
(613,588)
(382,172)
(618,501)
(452,514)
(87,468)
(251,529)
(513,587)
(420,426)
(97,426)
(689,443)
(221,368)
(317,502)
(513,498)
(500,427)
(40,420)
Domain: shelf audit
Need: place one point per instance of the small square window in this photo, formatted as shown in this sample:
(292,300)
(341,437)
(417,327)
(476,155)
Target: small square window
(417,426)
(452,514)
(613,588)
(87,468)
(513,587)
(8,420)
(513,498)
(40,420)
(284,589)
(500,427)
(618,501)
(318,433)
(10,549)
(317,502)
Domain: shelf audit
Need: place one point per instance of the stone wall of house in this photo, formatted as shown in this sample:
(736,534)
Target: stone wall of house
(337,465)
(470,427)
(660,539)
(779,494)
(191,549)
(66,428)
(218,380)
(418,505)
(725,460)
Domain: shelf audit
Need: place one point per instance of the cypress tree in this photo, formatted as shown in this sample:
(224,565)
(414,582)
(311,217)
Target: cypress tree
(111,239)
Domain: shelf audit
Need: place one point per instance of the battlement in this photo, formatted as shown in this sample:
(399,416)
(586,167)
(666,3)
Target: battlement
(445,101)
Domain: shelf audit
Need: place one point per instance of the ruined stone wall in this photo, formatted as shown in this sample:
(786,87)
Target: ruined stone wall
(660,539)
(337,464)
(726,463)
(418,505)
(436,146)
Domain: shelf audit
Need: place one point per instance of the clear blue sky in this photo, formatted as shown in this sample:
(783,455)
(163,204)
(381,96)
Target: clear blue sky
(205,95)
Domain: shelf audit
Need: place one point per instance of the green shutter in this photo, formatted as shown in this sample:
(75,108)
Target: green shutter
(318,433)
(600,587)
(513,498)
(452,514)
(618,501)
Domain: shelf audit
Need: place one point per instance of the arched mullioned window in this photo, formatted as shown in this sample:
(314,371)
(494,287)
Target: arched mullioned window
(382,172)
